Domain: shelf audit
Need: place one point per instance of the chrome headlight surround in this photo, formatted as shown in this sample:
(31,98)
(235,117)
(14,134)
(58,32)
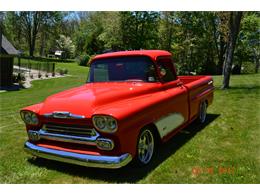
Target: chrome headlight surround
(105,123)
(30,118)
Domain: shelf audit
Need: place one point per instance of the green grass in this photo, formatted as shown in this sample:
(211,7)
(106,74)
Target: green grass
(229,140)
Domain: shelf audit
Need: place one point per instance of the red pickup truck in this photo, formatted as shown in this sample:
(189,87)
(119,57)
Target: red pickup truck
(132,101)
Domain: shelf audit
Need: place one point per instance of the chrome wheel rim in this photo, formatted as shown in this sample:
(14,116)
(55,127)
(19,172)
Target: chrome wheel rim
(203,112)
(145,146)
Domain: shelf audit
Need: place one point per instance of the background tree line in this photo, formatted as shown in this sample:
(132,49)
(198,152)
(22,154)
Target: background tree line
(201,42)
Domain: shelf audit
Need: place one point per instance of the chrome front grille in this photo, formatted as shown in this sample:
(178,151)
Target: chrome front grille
(66,133)
(66,129)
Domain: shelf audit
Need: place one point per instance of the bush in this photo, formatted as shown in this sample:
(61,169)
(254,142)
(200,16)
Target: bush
(83,60)
(181,69)
(247,68)
(65,71)
(62,71)
(39,75)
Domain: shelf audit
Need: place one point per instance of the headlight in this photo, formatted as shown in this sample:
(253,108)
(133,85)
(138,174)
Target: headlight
(105,123)
(29,118)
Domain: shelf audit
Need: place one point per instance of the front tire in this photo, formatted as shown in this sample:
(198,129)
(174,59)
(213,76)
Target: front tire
(202,112)
(146,145)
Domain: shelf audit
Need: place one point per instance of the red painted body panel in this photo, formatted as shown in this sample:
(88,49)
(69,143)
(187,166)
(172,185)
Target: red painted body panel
(133,104)
(153,54)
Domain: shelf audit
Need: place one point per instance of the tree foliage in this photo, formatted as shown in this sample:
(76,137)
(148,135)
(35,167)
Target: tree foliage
(65,44)
(24,27)
(198,40)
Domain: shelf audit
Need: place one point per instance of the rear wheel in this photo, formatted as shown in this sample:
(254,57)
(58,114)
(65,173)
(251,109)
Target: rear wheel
(146,146)
(202,112)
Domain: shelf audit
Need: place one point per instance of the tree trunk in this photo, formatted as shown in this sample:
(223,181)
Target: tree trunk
(234,25)
(221,56)
(31,22)
(42,44)
(31,50)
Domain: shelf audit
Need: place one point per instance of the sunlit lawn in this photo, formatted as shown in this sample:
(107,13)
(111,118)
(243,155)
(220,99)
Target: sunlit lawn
(225,150)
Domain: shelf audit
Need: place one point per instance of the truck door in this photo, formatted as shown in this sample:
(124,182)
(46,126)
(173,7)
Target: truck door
(177,108)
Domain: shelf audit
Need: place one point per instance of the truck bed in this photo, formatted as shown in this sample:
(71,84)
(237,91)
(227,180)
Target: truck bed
(199,87)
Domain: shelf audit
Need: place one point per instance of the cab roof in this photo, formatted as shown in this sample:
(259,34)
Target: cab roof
(153,54)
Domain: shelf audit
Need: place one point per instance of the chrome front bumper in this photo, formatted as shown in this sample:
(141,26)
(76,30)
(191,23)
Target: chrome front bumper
(111,162)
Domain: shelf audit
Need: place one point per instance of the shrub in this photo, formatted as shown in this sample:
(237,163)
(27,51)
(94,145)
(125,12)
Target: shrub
(39,75)
(83,60)
(247,68)
(181,69)
(58,70)
(65,71)
(62,71)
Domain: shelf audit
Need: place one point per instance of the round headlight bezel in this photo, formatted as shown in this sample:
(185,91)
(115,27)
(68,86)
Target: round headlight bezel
(29,117)
(108,128)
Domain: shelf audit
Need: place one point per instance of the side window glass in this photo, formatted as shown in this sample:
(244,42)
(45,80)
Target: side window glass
(166,70)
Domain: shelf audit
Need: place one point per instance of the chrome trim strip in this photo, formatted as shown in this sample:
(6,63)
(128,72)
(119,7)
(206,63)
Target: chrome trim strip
(210,82)
(111,162)
(75,130)
(42,134)
(63,114)
(59,127)
(203,93)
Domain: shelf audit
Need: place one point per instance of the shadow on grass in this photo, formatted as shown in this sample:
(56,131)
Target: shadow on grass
(129,173)
(14,87)
(243,87)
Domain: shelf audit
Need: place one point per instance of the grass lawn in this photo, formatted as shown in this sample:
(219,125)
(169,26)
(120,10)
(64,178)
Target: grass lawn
(224,150)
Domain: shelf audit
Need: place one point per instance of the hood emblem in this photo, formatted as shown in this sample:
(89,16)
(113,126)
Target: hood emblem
(63,115)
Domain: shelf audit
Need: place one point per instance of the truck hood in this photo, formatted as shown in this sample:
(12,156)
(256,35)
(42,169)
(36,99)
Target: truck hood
(86,99)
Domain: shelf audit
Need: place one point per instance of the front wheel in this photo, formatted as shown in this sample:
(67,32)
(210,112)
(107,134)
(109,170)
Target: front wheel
(202,112)
(146,145)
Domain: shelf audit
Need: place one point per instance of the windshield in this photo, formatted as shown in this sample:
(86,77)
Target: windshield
(129,68)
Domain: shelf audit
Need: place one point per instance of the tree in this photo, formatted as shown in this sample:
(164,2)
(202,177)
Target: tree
(87,36)
(111,35)
(139,30)
(234,26)
(248,45)
(32,22)
(166,30)
(13,30)
(220,33)
(65,44)
(193,42)
(49,32)
(1,21)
